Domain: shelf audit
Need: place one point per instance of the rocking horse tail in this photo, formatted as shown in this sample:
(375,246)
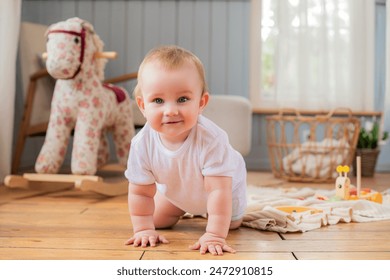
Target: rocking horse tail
(123,133)
(124,125)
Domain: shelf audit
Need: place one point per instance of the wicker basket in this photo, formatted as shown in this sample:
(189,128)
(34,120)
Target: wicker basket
(308,148)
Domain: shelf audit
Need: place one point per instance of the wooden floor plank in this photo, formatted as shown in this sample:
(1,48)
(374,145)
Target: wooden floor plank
(179,255)
(8,194)
(340,235)
(47,231)
(356,245)
(118,244)
(67,254)
(343,255)
(63,243)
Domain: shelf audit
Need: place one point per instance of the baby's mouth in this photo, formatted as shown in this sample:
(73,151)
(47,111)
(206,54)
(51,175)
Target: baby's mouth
(173,122)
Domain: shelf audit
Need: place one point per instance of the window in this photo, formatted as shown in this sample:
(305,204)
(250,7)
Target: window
(312,54)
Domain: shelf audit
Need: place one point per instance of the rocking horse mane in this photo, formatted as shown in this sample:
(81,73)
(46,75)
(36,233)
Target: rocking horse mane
(99,62)
(68,25)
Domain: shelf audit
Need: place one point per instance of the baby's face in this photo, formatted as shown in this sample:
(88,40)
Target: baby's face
(171,100)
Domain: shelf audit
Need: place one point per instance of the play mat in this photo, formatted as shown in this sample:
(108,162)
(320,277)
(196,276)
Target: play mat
(303,209)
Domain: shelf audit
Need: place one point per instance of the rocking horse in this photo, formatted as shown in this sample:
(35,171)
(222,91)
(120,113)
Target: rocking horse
(81,102)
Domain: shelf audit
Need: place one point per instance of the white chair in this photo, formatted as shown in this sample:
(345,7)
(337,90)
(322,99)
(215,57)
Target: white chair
(234,115)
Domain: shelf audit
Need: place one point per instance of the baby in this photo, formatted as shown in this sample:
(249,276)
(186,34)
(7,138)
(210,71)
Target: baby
(181,162)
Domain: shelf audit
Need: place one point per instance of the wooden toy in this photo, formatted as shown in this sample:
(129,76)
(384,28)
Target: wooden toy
(344,190)
(343,183)
(298,209)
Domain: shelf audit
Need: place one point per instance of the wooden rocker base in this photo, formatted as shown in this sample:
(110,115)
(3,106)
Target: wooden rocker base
(83,182)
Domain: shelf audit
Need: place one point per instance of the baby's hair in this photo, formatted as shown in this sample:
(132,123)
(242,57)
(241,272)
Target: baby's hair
(172,57)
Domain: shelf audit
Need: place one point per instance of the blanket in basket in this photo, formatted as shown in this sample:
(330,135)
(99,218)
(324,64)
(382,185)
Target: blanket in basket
(317,159)
(262,212)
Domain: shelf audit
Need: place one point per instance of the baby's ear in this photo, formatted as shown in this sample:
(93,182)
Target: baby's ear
(204,100)
(140,104)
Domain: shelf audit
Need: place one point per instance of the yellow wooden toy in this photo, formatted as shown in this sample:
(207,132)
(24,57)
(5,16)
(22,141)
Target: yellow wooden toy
(344,190)
(343,183)
(297,209)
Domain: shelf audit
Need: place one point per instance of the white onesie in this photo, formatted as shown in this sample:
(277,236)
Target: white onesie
(179,175)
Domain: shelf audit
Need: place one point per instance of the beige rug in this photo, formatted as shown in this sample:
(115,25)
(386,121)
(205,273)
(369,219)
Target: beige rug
(262,212)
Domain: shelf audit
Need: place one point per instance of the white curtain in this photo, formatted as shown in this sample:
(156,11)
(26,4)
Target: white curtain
(387,82)
(384,160)
(324,51)
(9,34)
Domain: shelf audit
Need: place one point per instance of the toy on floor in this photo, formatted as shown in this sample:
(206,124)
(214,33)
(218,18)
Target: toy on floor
(81,102)
(343,183)
(297,209)
(344,191)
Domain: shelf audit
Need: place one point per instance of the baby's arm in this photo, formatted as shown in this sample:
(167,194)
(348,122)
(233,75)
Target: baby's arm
(219,209)
(141,208)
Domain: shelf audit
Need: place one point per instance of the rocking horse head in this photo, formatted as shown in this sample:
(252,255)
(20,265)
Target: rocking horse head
(71,47)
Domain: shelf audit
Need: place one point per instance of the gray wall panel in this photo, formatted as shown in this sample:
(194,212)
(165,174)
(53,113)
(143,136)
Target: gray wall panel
(218,62)
(202,33)
(168,23)
(214,30)
(84,10)
(186,24)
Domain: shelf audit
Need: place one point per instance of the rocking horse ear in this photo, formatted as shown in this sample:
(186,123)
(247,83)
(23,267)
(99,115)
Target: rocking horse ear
(87,26)
(48,29)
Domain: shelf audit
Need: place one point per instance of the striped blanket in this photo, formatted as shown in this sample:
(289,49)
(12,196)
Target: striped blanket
(264,204)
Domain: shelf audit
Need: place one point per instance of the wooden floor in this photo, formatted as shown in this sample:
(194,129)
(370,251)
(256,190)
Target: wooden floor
(53,223)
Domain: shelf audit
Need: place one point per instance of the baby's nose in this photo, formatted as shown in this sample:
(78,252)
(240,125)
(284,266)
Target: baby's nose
(171,109)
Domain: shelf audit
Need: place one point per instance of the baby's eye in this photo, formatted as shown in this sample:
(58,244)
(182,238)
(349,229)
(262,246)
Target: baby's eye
(158,101)
(182,99)
(76,40)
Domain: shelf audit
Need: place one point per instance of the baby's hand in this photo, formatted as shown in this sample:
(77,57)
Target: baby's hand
(214,244)
(145,238)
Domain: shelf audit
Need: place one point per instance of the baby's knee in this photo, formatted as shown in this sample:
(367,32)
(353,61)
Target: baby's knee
(235,224)
(162,222)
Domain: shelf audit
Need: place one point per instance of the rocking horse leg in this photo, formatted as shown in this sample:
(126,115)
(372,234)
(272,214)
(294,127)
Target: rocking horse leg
(85,146)
(104,150)
(54,148)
